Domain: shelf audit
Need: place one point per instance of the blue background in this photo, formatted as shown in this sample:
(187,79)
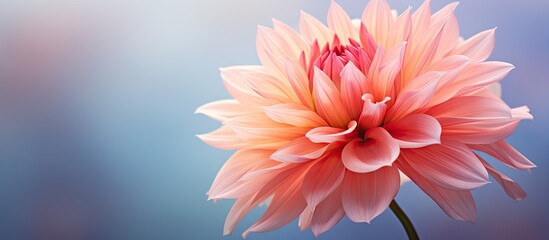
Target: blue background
(97,125)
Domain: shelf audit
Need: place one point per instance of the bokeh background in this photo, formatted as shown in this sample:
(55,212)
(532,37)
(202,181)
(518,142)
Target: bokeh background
(97,131)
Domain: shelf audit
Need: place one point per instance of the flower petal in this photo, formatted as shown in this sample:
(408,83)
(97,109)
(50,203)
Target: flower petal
(222,110)
(353,85)
(299,82)
(312,29)
(378,150)
(300,150)
(339,21)
(378,20)
(294,114)
(505,153)
(477,76)
(363,195)
(413,99)
(223,138)
(458,205)
(331,134)
(372,113)
(479,47)
(328,213)
(305,219)
(415,131)
(451,165)
(328,100)
(323,178)
(512,189)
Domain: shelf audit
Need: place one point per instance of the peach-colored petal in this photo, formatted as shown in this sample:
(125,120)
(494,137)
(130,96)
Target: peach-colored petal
(235,168)
(331,134)
(401,29)
(505,153)
(294,114)
(450,32)
(312,29)
(270,46)
(377,151)
(372,113)
(339,21)
(305,219)
(412,100)
(353,85)
(222,110)
(415,131)
(378,19)
(223,138)
(328,213)
(258,128)
(328,100)
(293,39)
(512,189)
(479,47)
(300,150)
(268,87)
(389,68)
(458,205)
(480,75)
(233,78)
(451,165)
(286,205)
(240,208)
(364,197)
(323,178)
(299,82)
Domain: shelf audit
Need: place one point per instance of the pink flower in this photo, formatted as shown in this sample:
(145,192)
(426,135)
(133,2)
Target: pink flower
(333,116)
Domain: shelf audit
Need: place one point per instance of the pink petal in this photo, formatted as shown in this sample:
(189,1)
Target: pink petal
(451,165)
(378,150)
(269,87)
(339,21)
(415,131)
(512,189)
(450,32)
(300,150)
(353,85)
(294,114)
(328,213)
(479,47)
(421,19)
(364,197)
(224,109)
(330,134)
(323,178)
(505,153)
(458,205)
(372,113)
(328,100)
(223,138)
(413,99)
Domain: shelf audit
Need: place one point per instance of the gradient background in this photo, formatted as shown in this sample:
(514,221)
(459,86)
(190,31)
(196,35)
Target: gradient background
(97,125)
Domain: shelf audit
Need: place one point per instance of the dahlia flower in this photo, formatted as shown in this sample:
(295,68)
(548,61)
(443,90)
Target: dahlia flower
(336,115)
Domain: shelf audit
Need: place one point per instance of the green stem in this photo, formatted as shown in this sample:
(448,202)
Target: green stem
(406,223)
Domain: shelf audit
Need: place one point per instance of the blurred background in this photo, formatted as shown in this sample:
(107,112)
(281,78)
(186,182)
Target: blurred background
(97,131)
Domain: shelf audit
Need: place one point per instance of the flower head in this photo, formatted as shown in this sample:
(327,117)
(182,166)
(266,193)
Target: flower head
(333,116)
